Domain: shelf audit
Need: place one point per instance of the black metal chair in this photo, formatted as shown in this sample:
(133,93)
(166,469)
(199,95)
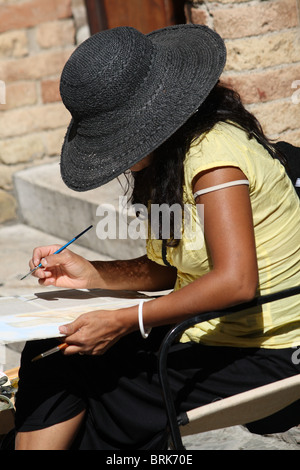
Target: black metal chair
(242,408)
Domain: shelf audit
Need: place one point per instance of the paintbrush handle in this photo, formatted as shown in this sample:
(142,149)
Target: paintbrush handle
(58,348)
(69,243)
(58,251)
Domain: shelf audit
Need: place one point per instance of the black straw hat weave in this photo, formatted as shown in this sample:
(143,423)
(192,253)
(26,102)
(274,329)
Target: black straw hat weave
(129,92)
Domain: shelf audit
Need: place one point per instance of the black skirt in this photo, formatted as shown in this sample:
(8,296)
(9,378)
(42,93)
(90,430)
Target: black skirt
(121,394)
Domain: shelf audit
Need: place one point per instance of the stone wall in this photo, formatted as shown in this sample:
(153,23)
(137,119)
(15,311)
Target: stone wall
(36,39)
(263,44)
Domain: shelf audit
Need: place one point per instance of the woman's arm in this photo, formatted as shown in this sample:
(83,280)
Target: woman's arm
(70,270)
(137,274)
(229,234)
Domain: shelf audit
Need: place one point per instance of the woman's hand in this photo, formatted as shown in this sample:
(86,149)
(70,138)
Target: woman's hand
(65,269)
(70,270)
(93,333)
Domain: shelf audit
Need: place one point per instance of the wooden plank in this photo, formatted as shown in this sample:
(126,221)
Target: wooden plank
(145,15)
(96,15)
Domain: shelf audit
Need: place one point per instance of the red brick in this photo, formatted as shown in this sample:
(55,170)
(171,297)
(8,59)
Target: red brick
(55,34)
(50,91)
(254,19)
(267,50)
(33,12)
(34,67)
(277,116)
(267,85)
(197,15)
(13,44)
(20,94)
(23,121)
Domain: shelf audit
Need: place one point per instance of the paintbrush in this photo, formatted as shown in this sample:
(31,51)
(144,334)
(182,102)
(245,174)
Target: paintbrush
(58,251)
(60,347)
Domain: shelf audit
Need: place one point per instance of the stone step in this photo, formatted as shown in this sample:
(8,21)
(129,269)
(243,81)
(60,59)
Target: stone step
(45,203)
(17,242)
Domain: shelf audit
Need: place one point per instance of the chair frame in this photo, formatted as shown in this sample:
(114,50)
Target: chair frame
(174,421)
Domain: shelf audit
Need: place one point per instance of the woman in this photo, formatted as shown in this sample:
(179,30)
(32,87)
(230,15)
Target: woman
(154,104)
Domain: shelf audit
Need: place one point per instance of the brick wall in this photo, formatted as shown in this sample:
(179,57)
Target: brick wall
(263,44)
(36,39)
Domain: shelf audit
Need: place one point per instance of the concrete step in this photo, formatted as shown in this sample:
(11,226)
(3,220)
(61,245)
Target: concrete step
(45,203)
(17,242)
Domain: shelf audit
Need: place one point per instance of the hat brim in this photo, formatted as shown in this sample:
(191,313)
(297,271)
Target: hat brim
(188,63)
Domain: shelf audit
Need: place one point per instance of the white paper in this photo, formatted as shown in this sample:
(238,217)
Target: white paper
(39,315)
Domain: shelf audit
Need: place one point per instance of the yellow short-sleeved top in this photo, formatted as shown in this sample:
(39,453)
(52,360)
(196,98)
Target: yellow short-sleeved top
(276,217)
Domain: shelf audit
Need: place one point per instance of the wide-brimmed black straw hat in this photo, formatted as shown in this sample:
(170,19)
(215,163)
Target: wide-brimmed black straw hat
(129,92)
